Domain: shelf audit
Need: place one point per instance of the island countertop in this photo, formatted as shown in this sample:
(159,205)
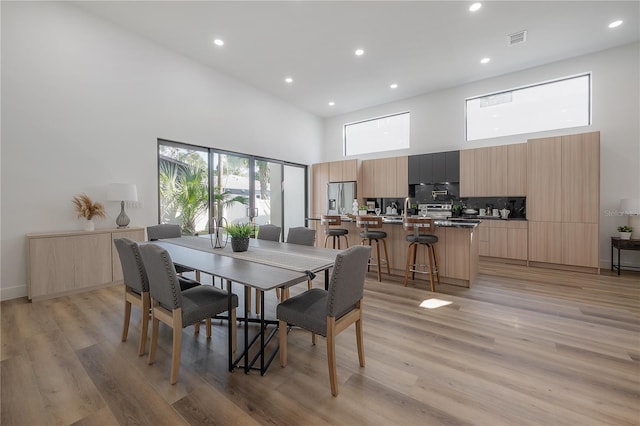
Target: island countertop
(441,223)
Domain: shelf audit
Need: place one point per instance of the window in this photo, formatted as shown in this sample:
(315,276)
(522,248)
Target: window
(377,134)
(558,104)
(196,183)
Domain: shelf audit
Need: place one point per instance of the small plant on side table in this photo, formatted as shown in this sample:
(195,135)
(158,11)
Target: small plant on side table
(625,232)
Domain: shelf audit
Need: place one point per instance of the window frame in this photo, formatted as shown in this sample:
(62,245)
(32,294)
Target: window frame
(588,74)
(344,133)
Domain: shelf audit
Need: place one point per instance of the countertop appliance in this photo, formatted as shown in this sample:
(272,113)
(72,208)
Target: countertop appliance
(436,211)
(340,196)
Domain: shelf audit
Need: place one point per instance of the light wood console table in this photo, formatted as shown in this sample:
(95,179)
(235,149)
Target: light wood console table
(60,263)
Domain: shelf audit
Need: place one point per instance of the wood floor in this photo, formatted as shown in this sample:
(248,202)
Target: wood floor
(525,346)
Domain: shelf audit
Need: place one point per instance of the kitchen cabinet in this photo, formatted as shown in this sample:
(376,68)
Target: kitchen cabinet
(319,180)
(517,169)
(563,187)
(343,171)
(385,178)
(489,172)
(68,262)
(467,172)
(434,168)
(503,239)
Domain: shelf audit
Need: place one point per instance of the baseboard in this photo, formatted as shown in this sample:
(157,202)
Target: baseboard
(13,292)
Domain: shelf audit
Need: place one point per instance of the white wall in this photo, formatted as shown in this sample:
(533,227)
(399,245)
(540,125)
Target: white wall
(437,124)
(83,103)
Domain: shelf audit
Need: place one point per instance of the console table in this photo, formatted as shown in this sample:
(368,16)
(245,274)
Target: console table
(623,245)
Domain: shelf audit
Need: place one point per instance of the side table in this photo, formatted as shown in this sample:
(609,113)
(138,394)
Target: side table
(623,245)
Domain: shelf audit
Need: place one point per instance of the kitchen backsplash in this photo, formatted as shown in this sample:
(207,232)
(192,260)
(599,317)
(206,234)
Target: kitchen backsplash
(517,205)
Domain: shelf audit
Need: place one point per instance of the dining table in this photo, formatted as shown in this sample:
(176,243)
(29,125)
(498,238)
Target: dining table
(265,266)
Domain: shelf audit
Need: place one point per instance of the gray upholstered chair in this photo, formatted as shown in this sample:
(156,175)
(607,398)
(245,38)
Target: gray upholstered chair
(327,313)
(269,232)
(136,288)
(168,230)
(302,236)
(179,309)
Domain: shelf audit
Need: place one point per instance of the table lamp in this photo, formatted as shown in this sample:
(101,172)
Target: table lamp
(122,192)
(631,208)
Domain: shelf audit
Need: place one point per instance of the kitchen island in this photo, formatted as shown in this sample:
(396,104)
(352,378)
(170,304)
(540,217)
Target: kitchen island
(457,248)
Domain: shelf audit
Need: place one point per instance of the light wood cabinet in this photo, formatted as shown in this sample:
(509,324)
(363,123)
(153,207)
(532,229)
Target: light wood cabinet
(544,179)
(319,180)
(494,171)
(563,187)
(545,242)
(385,177)
(503,239)
(66,262)
(343,171)
(581,178)
(467,173)
(517,169)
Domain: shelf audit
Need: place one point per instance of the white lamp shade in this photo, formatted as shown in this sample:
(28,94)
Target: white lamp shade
(122,192)
(630,206)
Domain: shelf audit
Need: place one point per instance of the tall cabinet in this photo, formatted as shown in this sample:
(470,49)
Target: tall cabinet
(563,196)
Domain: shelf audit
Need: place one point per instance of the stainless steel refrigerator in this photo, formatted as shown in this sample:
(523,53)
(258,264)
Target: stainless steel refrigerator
(340,196)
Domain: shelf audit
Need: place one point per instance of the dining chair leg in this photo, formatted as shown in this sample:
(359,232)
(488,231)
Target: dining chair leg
(309,286)
(314,339)
(282,330)
(155,323)
(127,316)
(208,324)
(359,337)
(144,326)
(331,354)
(177,344)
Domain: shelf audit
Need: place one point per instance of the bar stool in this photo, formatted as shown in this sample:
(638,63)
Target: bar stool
(369,222)
(428,241)
(335,233)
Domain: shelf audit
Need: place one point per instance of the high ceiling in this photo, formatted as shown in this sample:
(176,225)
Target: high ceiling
(422,46)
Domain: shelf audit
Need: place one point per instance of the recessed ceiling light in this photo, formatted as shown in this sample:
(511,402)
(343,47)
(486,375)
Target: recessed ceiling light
(288,80)
(485,60)
(394,86)
(359,52)
(474,7)
(331,103)
(218,42)
(615,24)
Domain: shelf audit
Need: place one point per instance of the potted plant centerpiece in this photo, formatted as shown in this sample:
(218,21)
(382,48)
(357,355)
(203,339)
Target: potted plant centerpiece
(240,233)
(362,210)
(87,209)
(625,232)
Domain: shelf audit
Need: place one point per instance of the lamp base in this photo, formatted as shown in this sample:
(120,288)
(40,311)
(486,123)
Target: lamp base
(122,220)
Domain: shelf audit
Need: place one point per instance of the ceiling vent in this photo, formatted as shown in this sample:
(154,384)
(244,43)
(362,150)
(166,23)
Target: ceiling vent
(517,38)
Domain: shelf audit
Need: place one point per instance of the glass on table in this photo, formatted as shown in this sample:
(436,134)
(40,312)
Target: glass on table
(377,211)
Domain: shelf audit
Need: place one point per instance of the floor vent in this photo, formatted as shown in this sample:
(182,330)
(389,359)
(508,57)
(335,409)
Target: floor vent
(517,38)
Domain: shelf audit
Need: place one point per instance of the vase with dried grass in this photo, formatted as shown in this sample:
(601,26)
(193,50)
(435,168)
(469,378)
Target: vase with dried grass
(87,209)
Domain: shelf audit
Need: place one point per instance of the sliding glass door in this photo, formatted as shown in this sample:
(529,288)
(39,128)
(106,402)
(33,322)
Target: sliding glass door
(198,183)
(183,187)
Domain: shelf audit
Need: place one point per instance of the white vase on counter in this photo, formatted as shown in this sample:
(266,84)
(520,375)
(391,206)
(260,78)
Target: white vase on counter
(355,207)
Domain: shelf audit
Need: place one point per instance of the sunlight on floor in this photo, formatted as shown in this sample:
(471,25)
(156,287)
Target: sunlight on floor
(434,303)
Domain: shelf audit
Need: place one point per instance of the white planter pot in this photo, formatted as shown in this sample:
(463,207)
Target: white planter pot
(89,225)
(625,235)
(362,212)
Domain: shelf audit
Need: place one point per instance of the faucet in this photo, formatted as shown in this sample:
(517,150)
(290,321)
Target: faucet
(407,204)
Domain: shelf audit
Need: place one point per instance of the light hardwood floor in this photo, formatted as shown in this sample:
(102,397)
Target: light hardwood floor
(524,346)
